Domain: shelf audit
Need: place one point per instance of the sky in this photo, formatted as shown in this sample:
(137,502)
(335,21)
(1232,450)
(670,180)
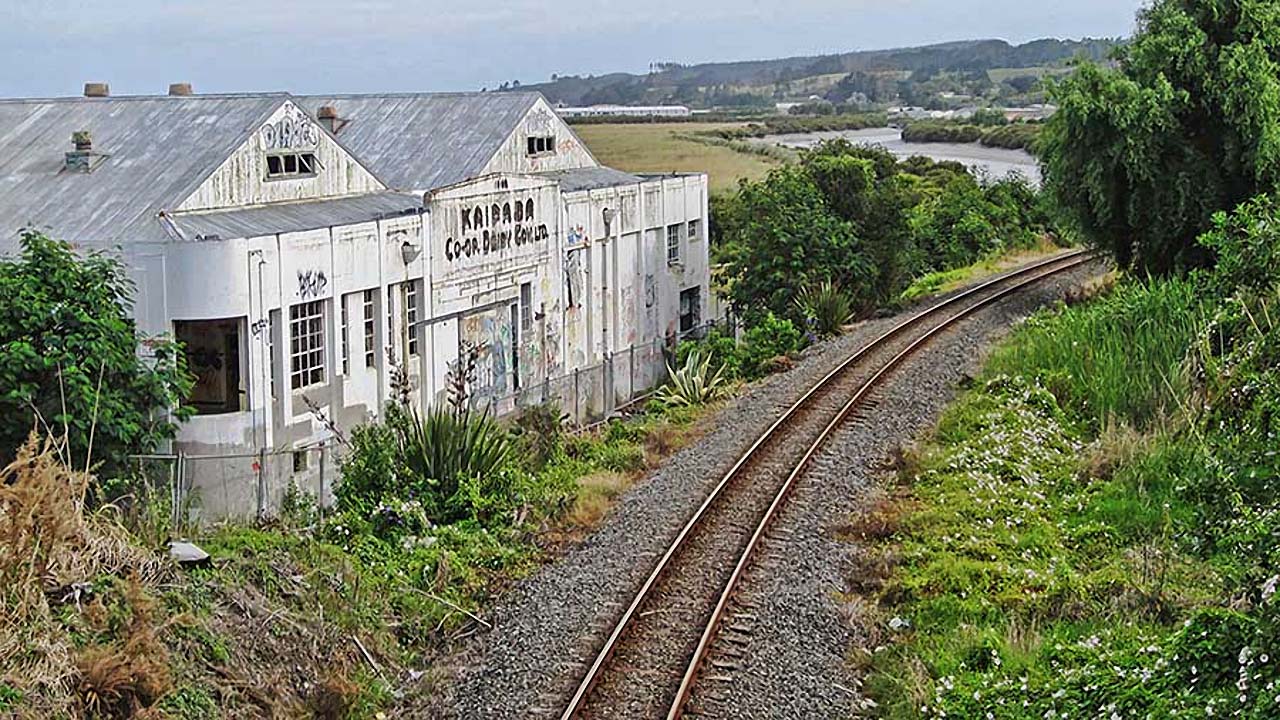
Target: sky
(52,47)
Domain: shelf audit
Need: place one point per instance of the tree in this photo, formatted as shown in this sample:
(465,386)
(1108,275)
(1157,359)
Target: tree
(779,236)
(1141,157)
(69,357)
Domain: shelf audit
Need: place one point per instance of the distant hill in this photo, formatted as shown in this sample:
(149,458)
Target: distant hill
(754,81)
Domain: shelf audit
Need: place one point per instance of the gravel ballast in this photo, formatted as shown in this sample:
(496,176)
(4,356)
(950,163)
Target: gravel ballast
(546,630)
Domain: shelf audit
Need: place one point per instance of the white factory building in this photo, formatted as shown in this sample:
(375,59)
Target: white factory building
(307,249)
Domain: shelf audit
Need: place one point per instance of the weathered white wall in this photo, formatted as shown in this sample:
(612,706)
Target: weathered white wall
(242,179)
(484,244)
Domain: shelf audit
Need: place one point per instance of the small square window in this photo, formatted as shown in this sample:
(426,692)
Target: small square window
(299,461)
(290,164)
(274,165)
(695,230)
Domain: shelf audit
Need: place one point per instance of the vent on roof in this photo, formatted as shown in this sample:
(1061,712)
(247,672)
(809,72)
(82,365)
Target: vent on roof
(180,89)
(83,159)
(328,117)
(97,89)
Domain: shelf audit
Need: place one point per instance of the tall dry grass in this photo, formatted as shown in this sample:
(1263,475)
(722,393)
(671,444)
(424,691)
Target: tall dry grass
(51,553)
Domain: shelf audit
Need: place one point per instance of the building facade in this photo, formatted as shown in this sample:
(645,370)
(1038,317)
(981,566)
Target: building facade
(320,256)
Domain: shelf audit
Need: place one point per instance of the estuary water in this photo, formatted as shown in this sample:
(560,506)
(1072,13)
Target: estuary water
(994,162)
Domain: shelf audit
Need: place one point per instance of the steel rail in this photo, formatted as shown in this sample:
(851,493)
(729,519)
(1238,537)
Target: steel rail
(708,634)
(1070,259)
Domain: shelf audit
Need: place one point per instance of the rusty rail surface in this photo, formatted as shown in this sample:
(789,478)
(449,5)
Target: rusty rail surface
(1025,277)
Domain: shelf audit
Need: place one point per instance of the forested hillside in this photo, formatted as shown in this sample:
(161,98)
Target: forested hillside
(731,83)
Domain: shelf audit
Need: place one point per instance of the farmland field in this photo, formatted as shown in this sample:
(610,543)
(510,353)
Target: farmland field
(656,148)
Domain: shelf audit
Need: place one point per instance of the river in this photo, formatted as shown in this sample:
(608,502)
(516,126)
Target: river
(994,162)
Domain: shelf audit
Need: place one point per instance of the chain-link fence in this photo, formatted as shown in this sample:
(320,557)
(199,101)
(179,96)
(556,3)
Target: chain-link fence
(204,488)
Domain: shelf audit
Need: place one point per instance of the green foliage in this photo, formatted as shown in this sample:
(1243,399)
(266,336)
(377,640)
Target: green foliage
(438,457)
(540,430)
(1189,124)
(697,382)
(1119,358)
(826,308)
(1011,136)
(1058,562)
(69,352)
(721,348)
(771,338)
(779,236)
(443,447)
(1246,246)
(859,218)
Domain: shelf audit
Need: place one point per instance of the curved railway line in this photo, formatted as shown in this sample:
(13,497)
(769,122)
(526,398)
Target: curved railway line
(652,659)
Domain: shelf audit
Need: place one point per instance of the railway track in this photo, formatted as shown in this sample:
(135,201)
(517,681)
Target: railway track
(652,658)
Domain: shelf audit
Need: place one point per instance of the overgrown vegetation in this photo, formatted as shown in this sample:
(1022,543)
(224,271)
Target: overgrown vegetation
(69,360)
(1142,156)
(1013,136)
(856,217)
(1093,531)
(791,125)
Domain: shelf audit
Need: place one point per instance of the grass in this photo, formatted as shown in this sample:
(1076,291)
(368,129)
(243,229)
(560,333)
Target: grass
(1119,359)
(1083,535)
(946,281)
(665,147)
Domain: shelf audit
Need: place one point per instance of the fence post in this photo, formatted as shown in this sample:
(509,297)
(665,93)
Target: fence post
(175,497)
(610,401)
(577,405)
(262,482)
(631,374)
(320,498)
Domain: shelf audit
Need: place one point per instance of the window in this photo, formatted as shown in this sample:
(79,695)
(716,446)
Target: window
(291,165)
(370,328)
(306,344)
(299,461)
(690,309)
(541,144)
(346,349)
(695,230)
(526,308)
(673,244)
(411,315)
(212,349)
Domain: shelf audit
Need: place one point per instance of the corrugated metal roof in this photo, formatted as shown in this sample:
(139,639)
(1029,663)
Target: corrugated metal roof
(293,216)
(425,141)
(591,178)
(158,150)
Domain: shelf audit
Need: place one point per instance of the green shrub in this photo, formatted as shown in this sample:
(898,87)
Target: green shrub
(540,430)
(442,448)
(773,337)
(697,382)
(1246,246)
(826,308)
(720,347)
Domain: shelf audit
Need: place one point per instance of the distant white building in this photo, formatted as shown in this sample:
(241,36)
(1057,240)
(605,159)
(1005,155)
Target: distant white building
(306,248)
(660,111)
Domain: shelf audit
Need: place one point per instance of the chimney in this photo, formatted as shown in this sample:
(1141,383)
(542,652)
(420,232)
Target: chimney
(180,89)
(83,158)
(328,117)
(97,90)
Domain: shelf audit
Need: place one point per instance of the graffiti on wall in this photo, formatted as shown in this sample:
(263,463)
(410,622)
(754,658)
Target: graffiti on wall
(490,332)
(540,122)
(650,305)
(292,130)
(494,228)
(311,284)
(574,278)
